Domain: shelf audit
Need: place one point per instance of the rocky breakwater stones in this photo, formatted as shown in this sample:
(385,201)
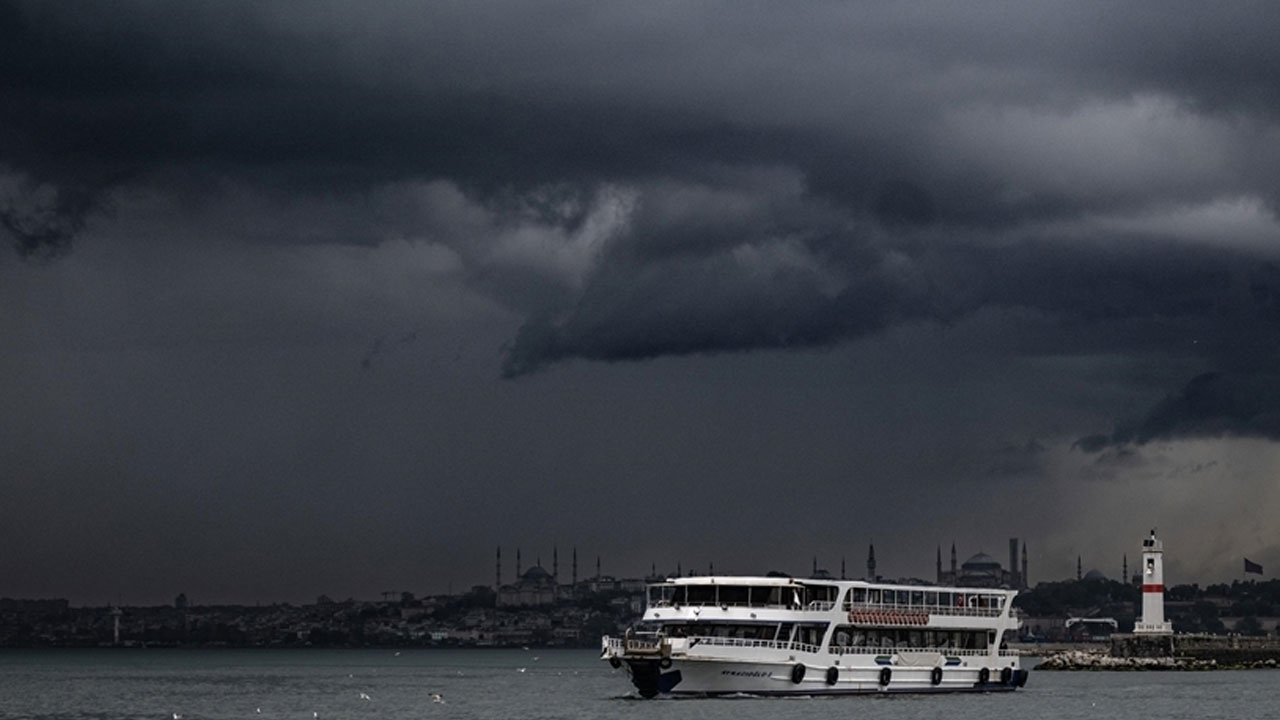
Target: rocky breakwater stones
(1085,660)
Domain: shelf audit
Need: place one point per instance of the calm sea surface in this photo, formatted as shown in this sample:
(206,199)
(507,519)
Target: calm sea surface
(201,684)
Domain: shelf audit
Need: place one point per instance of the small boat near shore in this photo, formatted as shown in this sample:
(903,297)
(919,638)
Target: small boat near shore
(716,635)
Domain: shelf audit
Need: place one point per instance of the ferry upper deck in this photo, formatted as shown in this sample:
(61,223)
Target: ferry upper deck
(813,595)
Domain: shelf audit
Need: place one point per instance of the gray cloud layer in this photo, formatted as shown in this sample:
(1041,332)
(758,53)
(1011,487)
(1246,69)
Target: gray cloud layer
(647,181)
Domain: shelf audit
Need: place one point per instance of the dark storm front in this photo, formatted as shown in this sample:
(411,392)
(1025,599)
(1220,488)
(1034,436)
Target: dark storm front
(573,685)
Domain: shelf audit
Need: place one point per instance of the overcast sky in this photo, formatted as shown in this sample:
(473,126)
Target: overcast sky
(303,298)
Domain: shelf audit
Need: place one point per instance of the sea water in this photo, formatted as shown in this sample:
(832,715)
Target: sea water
(535,684)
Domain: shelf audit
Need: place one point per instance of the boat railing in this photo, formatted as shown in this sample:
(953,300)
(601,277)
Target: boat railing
(639,643)
(881,650)
(814,606)
(717,641)
(931,609)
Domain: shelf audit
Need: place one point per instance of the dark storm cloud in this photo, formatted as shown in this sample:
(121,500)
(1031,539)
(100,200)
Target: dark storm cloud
(798,176)
(1113,297)
(42,221)
(1211,405)
(502,96)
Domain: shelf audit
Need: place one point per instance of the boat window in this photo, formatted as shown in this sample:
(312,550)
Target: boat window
(661,594)
(701,594)
(931,599)
(810,633)
(969,640)
(917,598)
(873,595)
(734,595)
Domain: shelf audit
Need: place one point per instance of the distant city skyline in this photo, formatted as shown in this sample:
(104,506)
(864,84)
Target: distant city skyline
(854,570)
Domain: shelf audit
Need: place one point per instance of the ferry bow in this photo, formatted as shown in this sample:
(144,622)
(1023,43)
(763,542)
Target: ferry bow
(783,636)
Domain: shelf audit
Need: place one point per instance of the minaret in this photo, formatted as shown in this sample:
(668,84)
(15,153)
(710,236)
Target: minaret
(1013,562)
(1153,622)
(575,566)
(517,564)
(497,575)
(711,568)
(679,569)
(815,566)
(939,579)
(1025,583)
(871,562)
(555,564)
(954,576)
(842,567)
(1079,574)
(597,567)
(1124,572)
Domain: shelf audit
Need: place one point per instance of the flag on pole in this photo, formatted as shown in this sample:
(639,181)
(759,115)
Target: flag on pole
(1252,567)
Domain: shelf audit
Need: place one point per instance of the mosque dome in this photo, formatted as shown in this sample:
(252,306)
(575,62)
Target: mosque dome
(981,561)
(536,574)
(1094,575)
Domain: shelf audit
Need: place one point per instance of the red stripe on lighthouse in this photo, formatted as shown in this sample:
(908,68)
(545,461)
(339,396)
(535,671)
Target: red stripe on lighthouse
(1152,588)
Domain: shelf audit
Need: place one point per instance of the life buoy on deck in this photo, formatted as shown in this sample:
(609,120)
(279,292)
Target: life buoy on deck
(1006,675)
(935,677)
(797,673)
(664,663)
(983,676)
(885,676)
(833,674)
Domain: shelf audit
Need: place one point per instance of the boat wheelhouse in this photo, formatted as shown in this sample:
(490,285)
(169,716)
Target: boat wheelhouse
(789,636)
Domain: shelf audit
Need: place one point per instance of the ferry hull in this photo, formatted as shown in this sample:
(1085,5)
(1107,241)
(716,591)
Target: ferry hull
(654,677)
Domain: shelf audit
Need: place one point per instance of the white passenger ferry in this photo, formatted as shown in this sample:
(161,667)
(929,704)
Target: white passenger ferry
(790,636)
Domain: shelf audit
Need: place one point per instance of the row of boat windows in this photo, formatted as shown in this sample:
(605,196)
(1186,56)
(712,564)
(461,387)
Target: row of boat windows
(808,633)
(805,596)
(855,637)
(760,596)
(922,599)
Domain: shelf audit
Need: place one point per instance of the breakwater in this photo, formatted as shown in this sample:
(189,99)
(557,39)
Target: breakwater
(1172,652)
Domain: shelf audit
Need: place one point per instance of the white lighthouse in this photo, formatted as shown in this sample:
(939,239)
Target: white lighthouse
(1153,622)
